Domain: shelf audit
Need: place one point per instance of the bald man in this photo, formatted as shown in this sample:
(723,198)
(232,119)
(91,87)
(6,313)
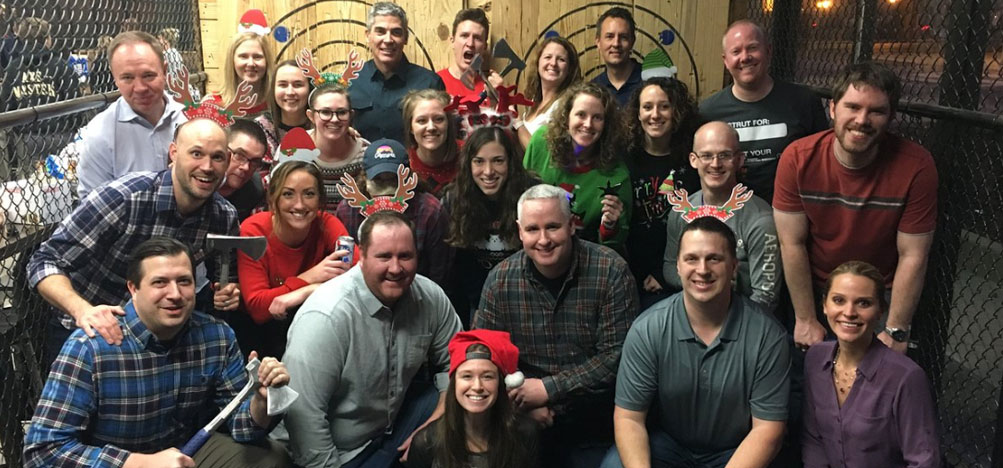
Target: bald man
(717,159)
(80,270)
(768,114)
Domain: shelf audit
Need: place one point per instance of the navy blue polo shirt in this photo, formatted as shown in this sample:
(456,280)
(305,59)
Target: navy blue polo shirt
(376,100)
(622,95)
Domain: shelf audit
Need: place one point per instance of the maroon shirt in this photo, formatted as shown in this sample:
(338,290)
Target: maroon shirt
(887,421)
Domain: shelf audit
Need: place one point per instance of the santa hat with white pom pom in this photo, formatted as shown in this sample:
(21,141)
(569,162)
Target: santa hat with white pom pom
(501,352)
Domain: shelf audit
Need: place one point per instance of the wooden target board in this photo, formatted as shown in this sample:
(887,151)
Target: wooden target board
(330,28)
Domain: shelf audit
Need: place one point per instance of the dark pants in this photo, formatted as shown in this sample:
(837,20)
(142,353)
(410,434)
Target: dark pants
(580,437)
(221,451)
(665,452)
(55,337)
(419,403)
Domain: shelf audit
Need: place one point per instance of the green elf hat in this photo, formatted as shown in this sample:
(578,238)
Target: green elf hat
(657,63)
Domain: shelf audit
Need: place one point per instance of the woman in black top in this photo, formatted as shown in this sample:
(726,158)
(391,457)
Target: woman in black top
(481,203)
(479,428)
(662,118)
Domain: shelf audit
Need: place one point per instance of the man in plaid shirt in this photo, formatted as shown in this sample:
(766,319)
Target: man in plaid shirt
(568,304)
(79,270)
(108,405)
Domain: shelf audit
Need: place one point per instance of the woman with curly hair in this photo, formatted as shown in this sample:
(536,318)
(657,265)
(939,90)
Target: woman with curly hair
(479,428)
(249,59)
(430,134)
(481,203)
(579,152)
(553,69)
(661,120)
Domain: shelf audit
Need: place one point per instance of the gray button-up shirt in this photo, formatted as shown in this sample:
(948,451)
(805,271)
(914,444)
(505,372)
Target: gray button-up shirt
(352,359)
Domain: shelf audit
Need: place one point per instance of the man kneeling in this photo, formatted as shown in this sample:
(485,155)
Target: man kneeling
(131,404)
(716,364)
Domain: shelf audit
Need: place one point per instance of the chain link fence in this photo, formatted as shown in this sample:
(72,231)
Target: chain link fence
(949,58)
(55,77)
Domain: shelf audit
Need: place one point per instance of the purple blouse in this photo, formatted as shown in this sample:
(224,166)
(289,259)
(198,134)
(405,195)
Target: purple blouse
(887,421)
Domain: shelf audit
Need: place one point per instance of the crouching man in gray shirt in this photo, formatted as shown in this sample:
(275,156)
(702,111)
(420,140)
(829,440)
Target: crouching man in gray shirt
(716,365)
(359,341)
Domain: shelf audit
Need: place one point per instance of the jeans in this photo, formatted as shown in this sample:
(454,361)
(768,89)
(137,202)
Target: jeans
(666,453)
(419,403)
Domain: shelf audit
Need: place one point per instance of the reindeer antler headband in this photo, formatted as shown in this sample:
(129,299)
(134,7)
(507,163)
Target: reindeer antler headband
(679,199)
(352,67)
(406,183)
(178,85)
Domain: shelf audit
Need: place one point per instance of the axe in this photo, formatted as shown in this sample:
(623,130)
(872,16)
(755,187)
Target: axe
(253,247)
(199,439)
(467,78)
(504,51)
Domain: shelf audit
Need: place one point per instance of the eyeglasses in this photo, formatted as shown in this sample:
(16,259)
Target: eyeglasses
(724,156)
(327,114)
(238,158)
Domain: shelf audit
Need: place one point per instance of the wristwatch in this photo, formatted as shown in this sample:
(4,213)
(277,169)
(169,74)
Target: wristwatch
(898,334)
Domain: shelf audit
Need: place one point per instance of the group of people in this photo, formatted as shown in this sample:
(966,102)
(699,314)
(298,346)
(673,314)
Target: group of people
(643,280)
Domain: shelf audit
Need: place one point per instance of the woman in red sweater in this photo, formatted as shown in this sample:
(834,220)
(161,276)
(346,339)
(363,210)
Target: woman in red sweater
(300,255)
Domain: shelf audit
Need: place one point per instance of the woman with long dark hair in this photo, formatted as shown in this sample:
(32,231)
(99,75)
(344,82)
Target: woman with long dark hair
(301,254)
(481,203)
(580,152)
(479,428)
(661,121)
(860,394)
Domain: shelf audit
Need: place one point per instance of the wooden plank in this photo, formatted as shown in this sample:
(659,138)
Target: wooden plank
(332,27)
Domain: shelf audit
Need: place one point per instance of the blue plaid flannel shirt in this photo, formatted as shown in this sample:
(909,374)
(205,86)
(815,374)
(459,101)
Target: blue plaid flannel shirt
(102,401)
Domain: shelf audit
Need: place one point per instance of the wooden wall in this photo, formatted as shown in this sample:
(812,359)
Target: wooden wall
(330,27)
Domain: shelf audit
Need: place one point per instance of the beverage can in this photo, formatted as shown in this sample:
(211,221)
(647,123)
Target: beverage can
(346,243)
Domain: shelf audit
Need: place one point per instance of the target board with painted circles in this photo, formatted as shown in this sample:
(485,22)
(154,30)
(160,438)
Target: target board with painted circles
(688,31)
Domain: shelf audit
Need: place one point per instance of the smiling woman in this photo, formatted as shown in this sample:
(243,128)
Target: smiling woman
(249,59)
(301,255)
(430,133)
(287,109)
(479,428)
(579,151)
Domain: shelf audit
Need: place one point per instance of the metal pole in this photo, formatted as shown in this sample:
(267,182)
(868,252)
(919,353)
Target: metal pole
(863,40)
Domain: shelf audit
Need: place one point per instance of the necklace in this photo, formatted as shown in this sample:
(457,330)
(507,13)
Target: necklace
(843,379)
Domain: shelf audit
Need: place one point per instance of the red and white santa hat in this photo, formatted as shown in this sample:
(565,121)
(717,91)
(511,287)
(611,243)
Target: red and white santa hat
(501,352)
(254,21)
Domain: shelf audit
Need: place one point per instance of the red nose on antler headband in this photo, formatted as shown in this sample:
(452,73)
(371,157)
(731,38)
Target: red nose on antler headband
(501,352)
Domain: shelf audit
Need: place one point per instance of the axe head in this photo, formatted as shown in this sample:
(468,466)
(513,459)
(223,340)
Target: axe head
(503,51)
(252,372)
(253,247)
(469,76)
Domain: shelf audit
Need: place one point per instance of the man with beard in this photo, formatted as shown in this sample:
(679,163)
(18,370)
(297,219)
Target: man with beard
(856,192)
(767,113)
(615,36)
(81,269)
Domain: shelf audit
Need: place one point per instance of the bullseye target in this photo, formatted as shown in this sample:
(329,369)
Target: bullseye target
(653,30)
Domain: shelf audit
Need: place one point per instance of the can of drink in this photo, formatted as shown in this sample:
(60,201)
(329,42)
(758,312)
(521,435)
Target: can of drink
(346,243)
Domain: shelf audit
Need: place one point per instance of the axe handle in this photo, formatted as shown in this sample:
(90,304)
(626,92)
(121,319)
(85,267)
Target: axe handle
(195,443)
(224,271)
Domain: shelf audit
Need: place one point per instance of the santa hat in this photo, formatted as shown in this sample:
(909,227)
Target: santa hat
(297,145)
(501,352)
(657,63)
(254,21)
